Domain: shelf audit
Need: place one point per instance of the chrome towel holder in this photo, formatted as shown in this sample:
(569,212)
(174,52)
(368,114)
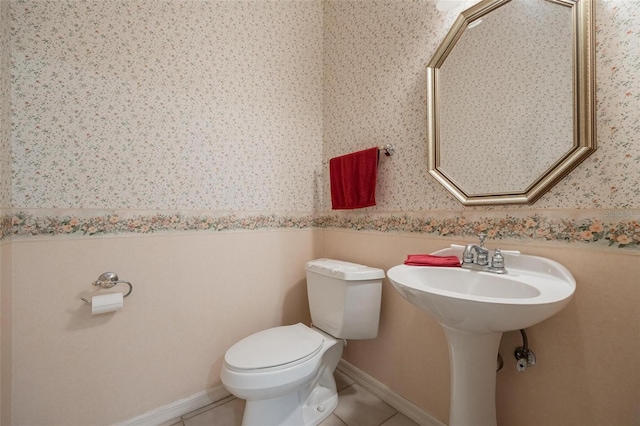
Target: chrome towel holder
(109,280)
(389,149)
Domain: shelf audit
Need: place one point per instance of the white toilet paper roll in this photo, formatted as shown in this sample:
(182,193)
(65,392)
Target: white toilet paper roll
(106,303)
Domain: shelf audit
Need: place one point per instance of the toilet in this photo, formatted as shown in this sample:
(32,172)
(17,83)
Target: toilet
(285,373)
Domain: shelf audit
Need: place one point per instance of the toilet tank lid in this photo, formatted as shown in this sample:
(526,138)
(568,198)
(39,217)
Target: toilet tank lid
(344,270)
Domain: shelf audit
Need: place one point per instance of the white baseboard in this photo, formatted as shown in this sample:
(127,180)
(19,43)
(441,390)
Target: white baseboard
(178,408)
(392,398)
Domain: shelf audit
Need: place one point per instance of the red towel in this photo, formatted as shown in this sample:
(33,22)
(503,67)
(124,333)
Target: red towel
(353,180)
(431,260)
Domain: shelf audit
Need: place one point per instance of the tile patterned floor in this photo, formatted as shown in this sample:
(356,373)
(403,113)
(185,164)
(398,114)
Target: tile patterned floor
(356,407)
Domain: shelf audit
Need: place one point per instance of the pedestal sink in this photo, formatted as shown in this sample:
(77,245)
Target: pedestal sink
(475,308)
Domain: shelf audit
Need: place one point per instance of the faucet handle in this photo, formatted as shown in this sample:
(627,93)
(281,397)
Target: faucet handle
(497,261)
(482,236)
(482,258)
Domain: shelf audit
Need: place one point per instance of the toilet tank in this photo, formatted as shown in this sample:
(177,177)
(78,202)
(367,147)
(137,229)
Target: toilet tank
(344,298)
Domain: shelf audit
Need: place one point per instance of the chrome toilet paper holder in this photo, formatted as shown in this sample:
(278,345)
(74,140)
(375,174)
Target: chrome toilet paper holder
(109,280)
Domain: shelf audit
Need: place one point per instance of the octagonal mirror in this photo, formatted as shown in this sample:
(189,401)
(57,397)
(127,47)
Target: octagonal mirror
(511,99)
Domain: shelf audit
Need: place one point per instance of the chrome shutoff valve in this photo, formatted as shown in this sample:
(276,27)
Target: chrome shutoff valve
(524,356)
(524,359)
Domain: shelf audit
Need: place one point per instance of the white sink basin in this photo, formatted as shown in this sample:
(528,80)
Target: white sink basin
(475,308)
(533,289)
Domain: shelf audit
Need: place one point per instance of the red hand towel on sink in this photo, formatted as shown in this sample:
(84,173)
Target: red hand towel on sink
(353,180)
(431,260)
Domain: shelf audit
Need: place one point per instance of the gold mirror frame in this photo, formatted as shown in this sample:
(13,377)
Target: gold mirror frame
(584,133)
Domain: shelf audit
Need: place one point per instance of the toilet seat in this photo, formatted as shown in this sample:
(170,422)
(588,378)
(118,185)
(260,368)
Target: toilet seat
(274,348)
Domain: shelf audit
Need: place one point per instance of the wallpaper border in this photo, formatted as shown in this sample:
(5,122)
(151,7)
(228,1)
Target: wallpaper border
(609,228)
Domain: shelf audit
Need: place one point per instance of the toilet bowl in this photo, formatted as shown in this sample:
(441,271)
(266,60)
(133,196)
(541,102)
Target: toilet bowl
(285,373)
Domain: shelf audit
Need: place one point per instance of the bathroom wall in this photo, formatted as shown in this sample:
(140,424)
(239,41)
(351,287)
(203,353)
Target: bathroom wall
(6,332)
(178,144)
(375,87)
(194,295)
(5,108)
(110,99)
(582,376)
(5,202)
(375,58)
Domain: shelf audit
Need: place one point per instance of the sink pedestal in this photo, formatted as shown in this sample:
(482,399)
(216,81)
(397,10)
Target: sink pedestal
(473,377)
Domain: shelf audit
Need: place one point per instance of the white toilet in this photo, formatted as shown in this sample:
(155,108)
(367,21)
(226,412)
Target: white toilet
(286,373)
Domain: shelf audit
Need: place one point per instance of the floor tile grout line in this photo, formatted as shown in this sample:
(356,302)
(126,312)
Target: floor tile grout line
(390,417)
(346,387)
(334,411)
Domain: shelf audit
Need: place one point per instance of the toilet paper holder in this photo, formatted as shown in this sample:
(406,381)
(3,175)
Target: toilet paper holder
(109,280)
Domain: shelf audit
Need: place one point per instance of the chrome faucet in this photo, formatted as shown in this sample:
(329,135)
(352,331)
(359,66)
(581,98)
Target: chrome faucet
(476,257)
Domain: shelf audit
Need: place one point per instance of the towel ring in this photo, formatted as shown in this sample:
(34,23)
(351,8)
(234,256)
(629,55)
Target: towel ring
(109,280)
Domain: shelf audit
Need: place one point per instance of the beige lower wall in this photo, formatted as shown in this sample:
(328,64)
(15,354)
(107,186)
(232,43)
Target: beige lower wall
(587,354)
(193,296)
(196,294)
(5,332)
(2,350)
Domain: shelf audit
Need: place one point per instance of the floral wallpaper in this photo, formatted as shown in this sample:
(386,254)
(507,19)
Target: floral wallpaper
(375,57)
(173,104)
(5,108)
(143,116)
